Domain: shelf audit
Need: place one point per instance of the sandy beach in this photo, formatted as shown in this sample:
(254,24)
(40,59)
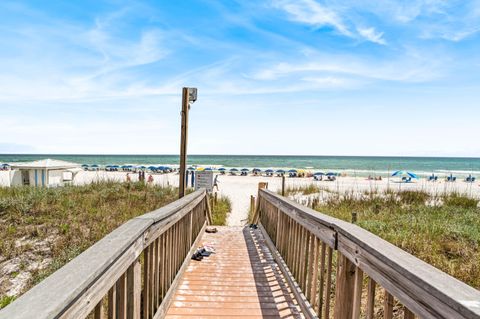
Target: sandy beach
(239,188)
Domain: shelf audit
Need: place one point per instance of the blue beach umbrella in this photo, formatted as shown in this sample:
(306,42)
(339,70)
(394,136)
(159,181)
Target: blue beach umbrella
(208,169)
(245,170)
(331,174)
(292,171)
(256,170)
(400,173)
(233,170)
(83,165)
(318,174)
(280,171)
(94,165)
(152,168)
(222,169)
(269,171)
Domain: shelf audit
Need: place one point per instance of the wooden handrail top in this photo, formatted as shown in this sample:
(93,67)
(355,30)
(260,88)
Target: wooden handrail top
(112,254)
(420,286)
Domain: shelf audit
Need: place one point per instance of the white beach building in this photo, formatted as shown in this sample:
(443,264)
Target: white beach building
(47,172)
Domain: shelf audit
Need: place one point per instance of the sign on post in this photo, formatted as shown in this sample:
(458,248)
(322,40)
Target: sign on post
(204,179)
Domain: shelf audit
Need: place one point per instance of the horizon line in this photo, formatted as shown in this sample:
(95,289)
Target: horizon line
(245,155)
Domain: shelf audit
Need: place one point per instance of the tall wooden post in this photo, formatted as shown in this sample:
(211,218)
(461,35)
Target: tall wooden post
(283,185)
(183,143)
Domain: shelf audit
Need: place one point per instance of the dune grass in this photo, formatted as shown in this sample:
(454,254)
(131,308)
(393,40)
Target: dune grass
(443,231)
(57,224)
(220,210)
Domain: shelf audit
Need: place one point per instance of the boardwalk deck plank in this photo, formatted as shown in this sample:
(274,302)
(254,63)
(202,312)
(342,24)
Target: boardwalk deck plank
(241,280)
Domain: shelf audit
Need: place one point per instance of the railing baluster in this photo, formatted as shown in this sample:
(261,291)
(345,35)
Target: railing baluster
(98,312)
(314,276)
(328,287)
(407,314)
(388,305)
(121,295)
(321,279)
(371,298)
(146,281)
(357,294)
(112,298)
(134,290)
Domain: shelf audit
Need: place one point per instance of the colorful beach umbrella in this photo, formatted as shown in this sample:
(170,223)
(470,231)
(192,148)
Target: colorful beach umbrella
(400,173)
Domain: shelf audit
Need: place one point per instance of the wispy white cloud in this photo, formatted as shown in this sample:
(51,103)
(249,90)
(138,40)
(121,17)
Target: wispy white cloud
(312,13)
(371,35)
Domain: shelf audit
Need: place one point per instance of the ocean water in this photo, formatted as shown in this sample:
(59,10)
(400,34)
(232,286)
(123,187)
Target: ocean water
(352,165)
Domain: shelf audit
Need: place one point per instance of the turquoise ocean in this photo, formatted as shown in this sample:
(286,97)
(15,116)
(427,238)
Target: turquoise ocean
(352,165)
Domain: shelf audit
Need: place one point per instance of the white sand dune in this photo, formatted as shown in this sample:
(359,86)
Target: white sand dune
(240,188)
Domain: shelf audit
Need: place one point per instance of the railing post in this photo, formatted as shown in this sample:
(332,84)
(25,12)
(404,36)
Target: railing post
(345,288)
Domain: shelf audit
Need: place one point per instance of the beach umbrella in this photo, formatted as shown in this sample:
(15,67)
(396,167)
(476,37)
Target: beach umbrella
(400,173)
(318,174)
(257,170)
(233,170)
(245,170)
(222,169)
(331,174)
(200,169)
(94,165)
(152,168)
(191,168)
(141,167)
(269,170)
(83,165)
(208,169)
(280,171)
(292,171)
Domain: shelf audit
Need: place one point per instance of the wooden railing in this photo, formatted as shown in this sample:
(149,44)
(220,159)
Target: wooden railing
(340,270)
(130,273)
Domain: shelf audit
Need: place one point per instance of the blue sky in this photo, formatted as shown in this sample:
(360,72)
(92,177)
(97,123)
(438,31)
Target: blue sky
(274,77)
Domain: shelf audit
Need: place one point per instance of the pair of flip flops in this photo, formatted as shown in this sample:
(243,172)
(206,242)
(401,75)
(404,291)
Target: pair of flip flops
(204,251)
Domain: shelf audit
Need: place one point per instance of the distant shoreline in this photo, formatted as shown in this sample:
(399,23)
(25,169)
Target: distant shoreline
(351,165)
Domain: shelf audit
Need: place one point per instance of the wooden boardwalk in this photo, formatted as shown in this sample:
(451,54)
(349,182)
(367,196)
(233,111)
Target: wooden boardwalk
(241,280)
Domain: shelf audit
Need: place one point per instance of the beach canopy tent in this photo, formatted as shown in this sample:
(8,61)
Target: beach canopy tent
(404,173)
(47,172)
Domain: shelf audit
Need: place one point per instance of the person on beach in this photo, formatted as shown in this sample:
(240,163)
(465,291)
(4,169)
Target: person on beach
(215,182)
(150,179)
(128,178)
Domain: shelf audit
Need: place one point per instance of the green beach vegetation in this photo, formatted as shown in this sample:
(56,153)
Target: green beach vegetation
(442,230)
(41,229)
(221,207)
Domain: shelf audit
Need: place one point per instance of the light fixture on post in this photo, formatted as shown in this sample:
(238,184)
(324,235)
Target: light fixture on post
(189,95)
